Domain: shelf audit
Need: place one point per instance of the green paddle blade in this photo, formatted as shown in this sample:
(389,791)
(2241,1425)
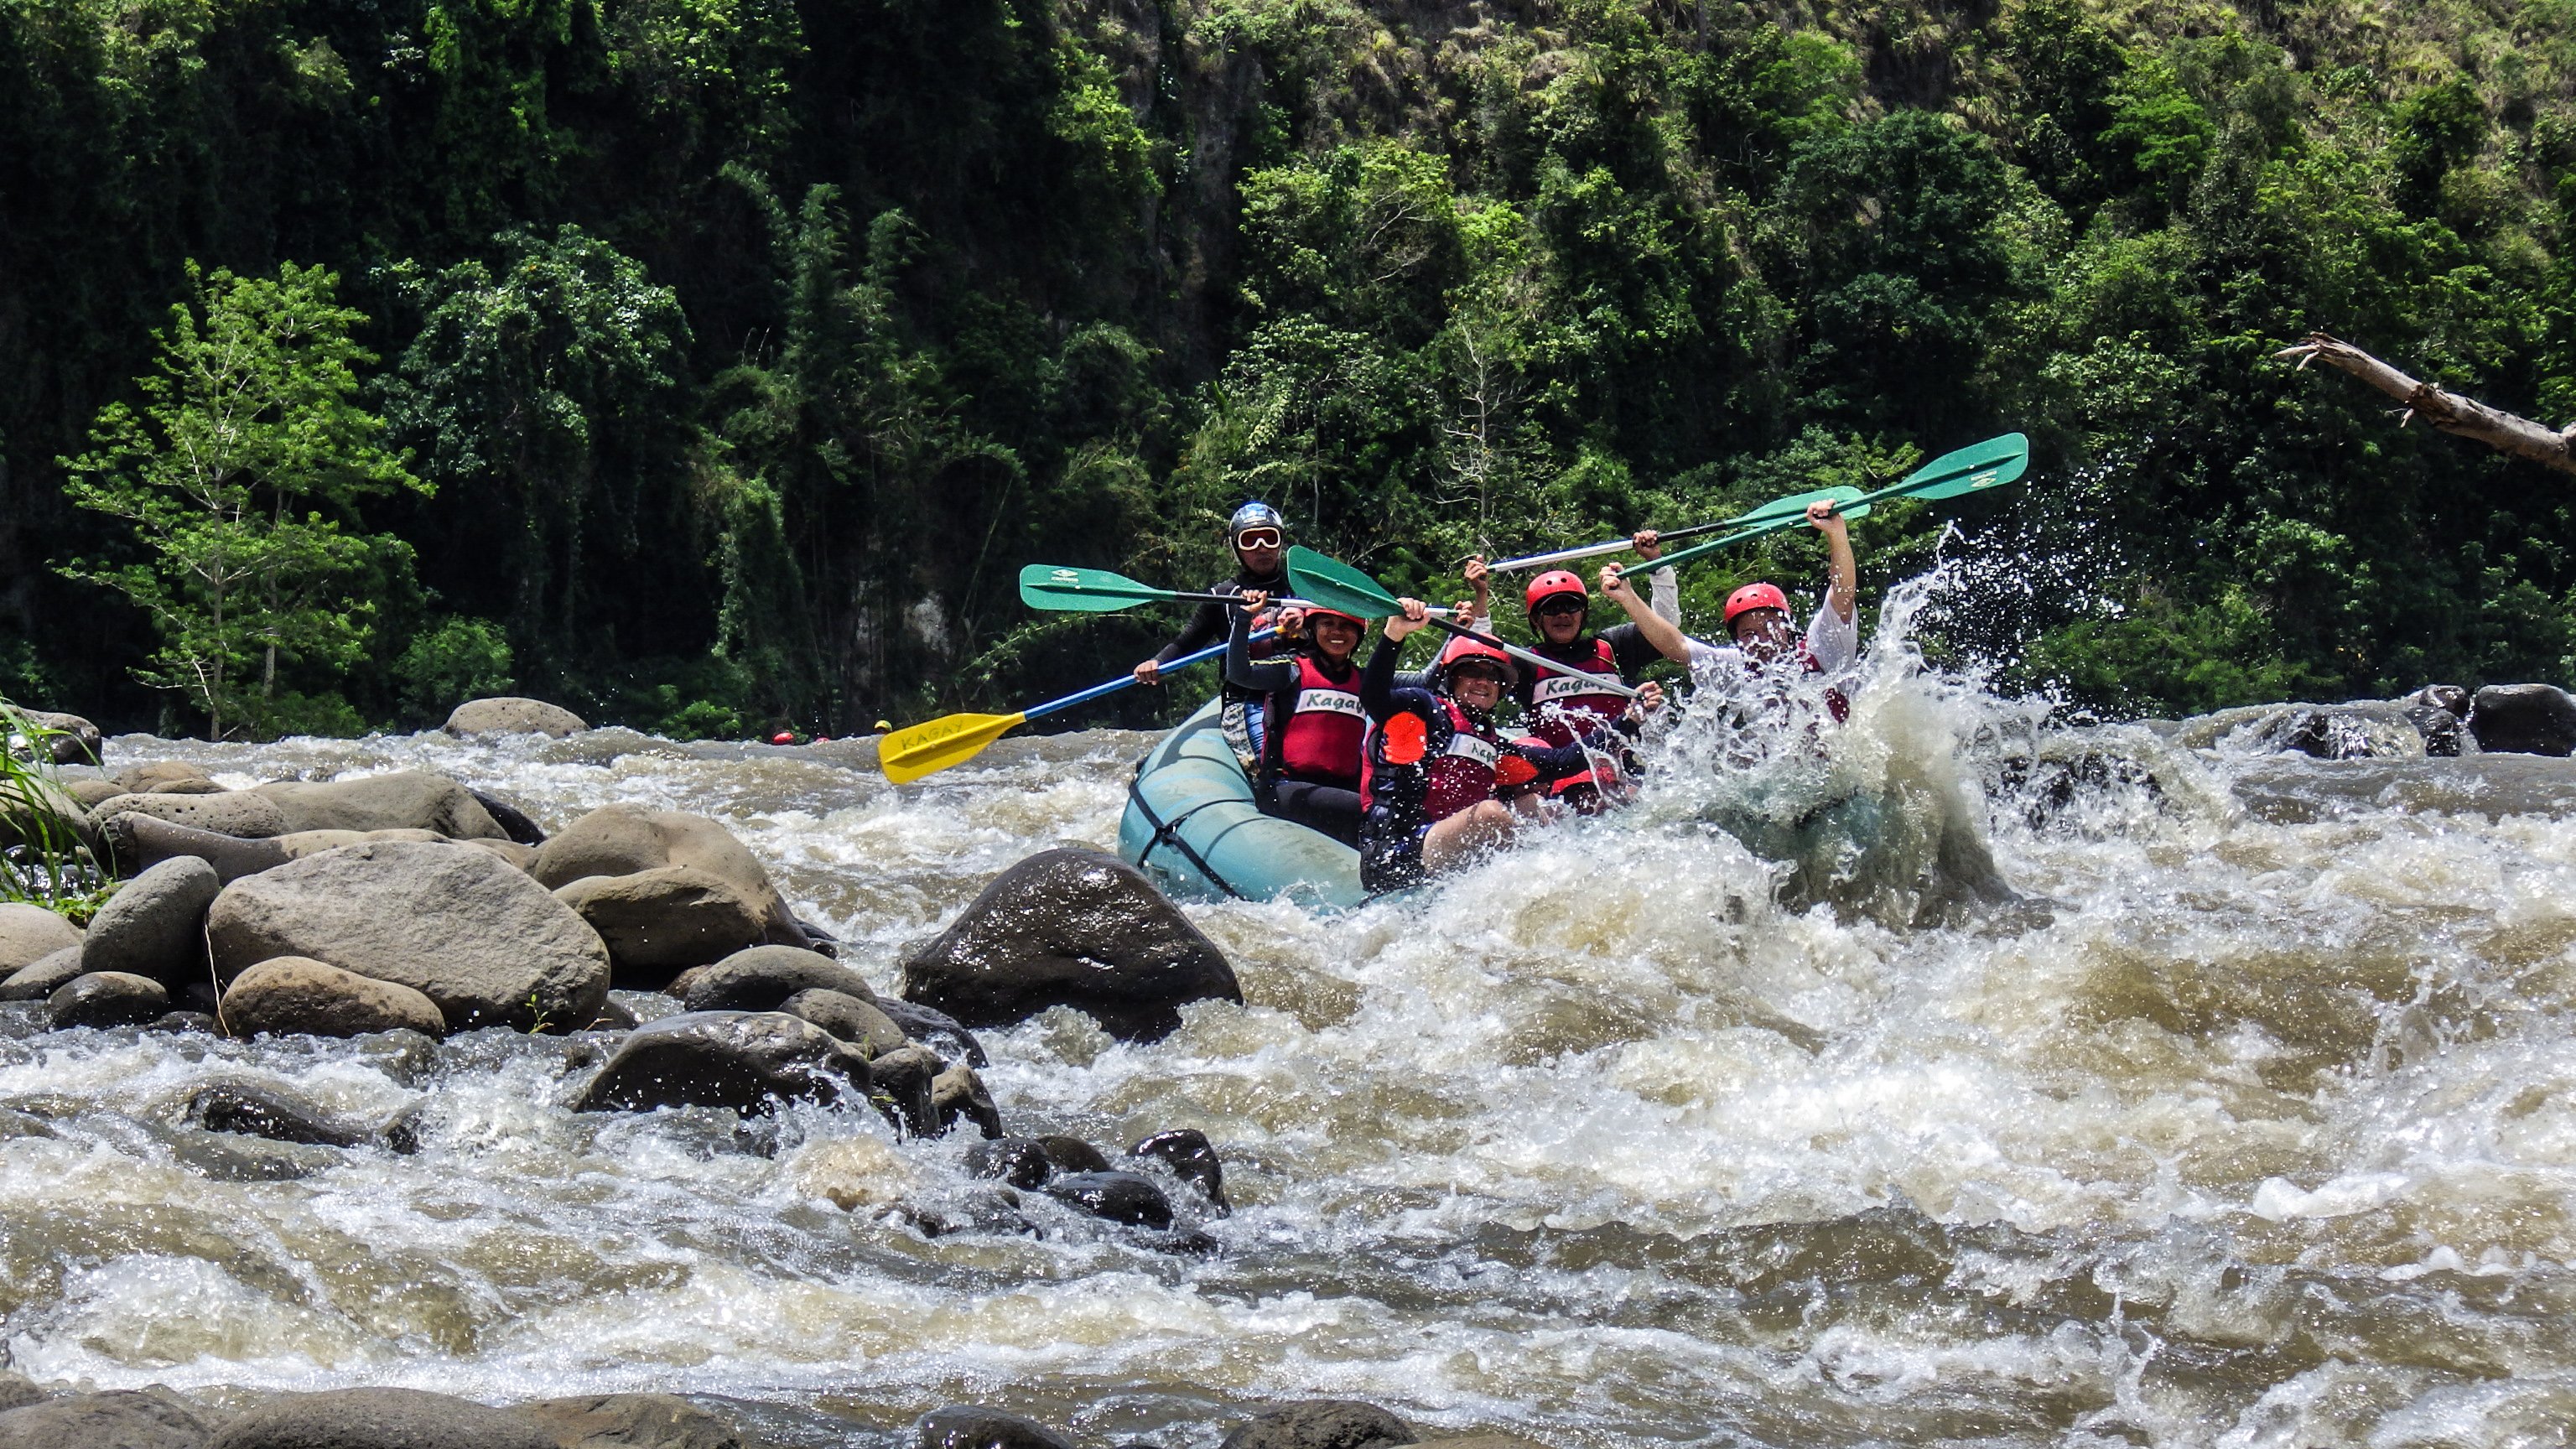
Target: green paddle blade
(1337,585)
(1973,469)
(1084,591)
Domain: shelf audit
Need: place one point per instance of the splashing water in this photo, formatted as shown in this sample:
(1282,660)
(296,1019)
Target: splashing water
(1759,1115)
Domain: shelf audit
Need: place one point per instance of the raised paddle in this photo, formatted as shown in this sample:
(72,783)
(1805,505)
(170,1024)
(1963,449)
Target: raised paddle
(1795,505)
(1990,464)
(1096,591)
(1337,585)
(908,754)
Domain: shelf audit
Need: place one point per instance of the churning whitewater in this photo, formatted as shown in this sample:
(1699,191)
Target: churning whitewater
(1951,1075)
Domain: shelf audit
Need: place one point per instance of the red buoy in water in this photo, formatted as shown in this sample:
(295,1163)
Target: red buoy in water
(783,737)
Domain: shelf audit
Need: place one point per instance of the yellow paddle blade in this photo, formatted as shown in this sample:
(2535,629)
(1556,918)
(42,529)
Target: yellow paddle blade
(908,754)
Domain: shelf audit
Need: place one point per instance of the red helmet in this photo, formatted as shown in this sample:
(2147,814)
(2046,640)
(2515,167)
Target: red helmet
(1755,596)
(1462,651)
(1550,584)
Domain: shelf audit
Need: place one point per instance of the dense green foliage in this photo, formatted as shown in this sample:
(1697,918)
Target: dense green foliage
(749,346)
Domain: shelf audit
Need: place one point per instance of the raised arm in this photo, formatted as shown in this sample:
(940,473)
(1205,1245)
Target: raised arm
(1844,597)
(1241,669)
(1661,632)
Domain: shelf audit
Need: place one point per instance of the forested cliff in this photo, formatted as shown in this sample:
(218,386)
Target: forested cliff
(728,357)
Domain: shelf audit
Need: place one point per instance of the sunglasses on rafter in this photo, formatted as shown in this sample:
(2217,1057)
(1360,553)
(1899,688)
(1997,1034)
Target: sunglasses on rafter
(1567,605)
(1259,538)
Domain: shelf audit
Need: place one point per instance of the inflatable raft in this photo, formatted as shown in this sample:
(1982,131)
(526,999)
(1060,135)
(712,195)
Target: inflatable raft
(1192,827)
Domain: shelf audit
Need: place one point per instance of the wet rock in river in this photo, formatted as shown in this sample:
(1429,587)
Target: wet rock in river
(177,1023)
(512,715)
(1191,1158)
(746,1060)
(17,1391)
(254,1110)
(118,1419)
(958,1092)
(403,800)
(514,822)
(289,994)
(660,922)
(961,1426)
(485,942)
(168,777)
(1072,1154)
(40,979)
(1321,1424)
(74,740)
(1071,928)
(852,1019)
(934,1029)
(764,977)
(622,840)
(2524,719)
(1019,1161)
(108,998)
(155,924)
(381,1419)
(904,1077)
(30,933)
(1118,1197)
(631,1421)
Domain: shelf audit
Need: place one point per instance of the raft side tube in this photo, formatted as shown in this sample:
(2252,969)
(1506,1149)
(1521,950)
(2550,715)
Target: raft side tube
(1192,827)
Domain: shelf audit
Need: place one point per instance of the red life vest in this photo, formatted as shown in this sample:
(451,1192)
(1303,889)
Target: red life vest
(1318,739)
(1567,701)
(1459,775)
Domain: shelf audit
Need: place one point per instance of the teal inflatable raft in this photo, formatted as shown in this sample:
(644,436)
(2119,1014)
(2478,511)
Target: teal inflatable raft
(1191,826)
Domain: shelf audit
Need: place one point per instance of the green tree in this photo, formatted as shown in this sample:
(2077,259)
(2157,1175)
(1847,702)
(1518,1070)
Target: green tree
(236,476)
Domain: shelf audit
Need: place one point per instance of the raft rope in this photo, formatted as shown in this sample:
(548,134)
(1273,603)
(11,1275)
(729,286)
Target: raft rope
(1168,833)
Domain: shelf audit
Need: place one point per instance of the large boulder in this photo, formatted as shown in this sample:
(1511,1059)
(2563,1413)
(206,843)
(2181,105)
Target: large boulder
(380,1419)
(1322,1424)
(118,1419)
(168,777)
(108,998)
(141,842)
(1119,1197)
(245,814)
(963,1426)
(42,978)
(659,923)
(155,924)
(404,800)
(764,977)
(289,994)
(848,1017)
(934,1028)
(510,715)
(1192,1159)
(1071,928)
(631,1421)
(255,1110)
(30,933)
(2524,719)
(746,1060)
(459,925)
(625,839)
(71,741)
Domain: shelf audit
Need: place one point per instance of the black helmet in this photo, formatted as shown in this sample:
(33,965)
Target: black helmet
(1255,514)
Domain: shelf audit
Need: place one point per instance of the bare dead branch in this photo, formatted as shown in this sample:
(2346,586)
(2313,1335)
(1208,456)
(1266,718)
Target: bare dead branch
(2448,411)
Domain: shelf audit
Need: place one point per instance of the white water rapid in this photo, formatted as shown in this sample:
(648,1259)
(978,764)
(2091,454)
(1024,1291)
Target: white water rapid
(2007,1102)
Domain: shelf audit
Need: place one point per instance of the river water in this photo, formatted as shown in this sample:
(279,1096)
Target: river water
(2002,1104)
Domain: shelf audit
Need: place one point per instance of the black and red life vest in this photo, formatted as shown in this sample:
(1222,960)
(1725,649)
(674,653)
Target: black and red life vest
(1566,701)
(1315,727)
(1454,772)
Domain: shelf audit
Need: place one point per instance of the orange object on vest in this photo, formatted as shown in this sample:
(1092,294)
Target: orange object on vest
(1513,770)
(1405,739)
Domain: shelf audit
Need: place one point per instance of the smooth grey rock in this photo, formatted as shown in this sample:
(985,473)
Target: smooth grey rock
(485,942)
(848,1017)
(256,1110)
(118,1419)
(512,715)
(29,933)
(746,1060)
(1321,1424)
(404,800)
(660,922)
(2524,719)
(1071,928)
(155,924)
(623,839)
(74,741)
(1192,1159)
(963,1426)
(631,1421)
(380,1419)
(764,977)
(143,841)
(41,979)
(107,998)
(168,777)
(240,813)
(289,994)
(1119,1197)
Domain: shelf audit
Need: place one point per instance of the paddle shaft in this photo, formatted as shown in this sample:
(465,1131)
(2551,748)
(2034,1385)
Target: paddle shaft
(1526,657)
(1125,681)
